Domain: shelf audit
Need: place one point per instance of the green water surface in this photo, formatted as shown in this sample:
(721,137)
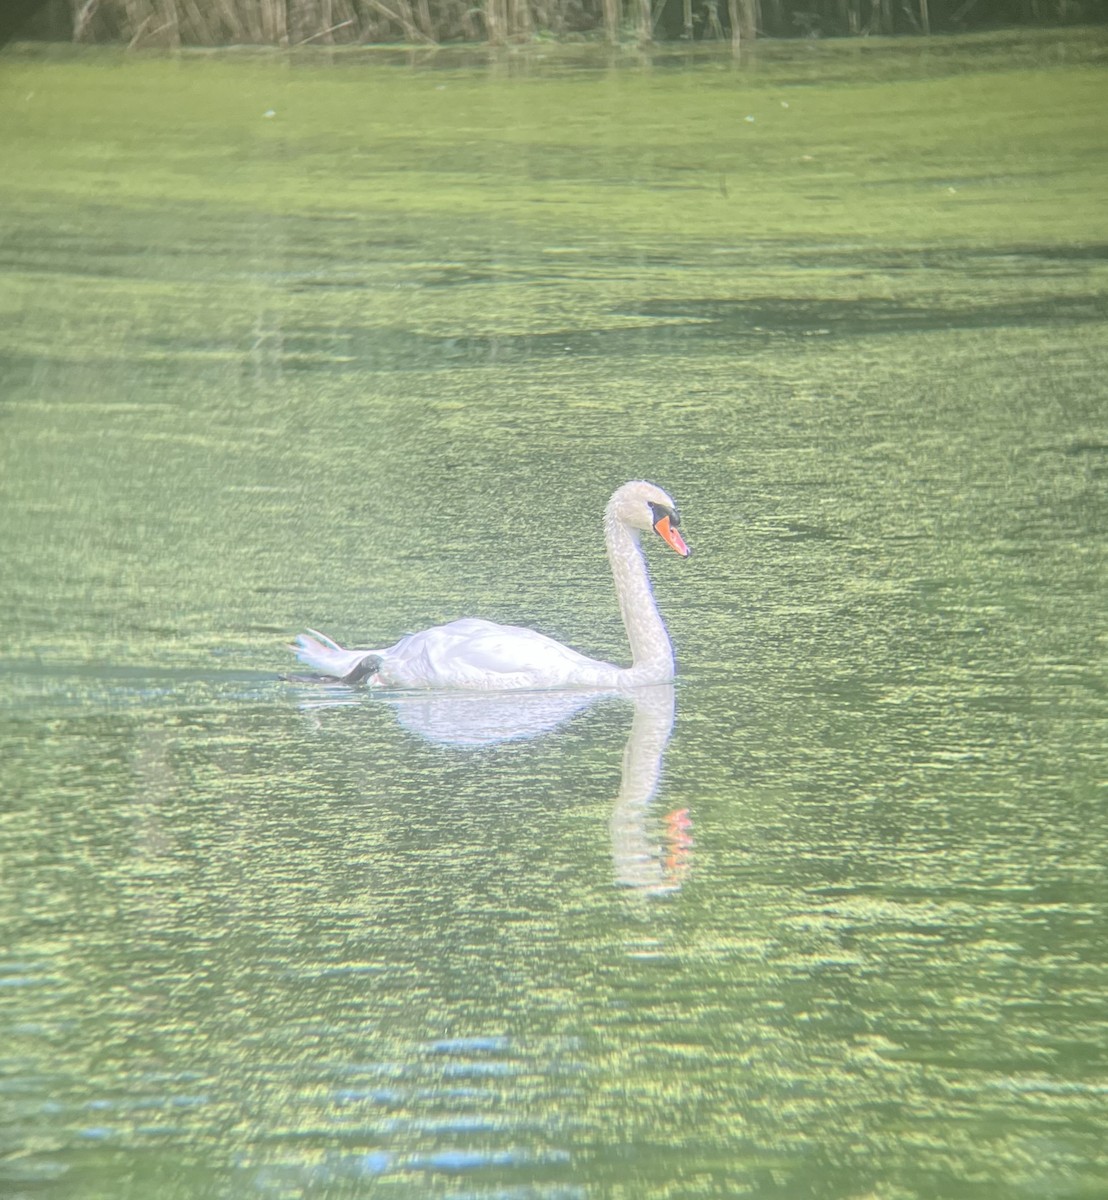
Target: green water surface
(364,344)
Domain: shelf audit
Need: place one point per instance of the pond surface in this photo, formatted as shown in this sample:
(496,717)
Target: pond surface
(366,346)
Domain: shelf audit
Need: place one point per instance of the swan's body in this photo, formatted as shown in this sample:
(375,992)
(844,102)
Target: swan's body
(481,655)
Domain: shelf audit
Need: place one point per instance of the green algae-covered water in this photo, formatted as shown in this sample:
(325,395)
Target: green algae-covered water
(364,344)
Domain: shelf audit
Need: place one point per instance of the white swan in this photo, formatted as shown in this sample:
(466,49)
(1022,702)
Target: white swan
(482,655)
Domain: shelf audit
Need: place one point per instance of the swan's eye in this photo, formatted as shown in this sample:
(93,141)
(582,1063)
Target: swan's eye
(661,511)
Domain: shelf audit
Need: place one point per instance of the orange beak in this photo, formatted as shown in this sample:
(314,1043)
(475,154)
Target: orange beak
(665,530)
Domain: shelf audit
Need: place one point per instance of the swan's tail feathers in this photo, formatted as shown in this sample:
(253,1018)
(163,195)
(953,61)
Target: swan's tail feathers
(319,651)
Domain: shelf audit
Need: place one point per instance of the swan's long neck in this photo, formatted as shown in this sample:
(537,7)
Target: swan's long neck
(651,650)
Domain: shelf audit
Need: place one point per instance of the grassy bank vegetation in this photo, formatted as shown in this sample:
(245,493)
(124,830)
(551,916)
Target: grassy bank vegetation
(142,23)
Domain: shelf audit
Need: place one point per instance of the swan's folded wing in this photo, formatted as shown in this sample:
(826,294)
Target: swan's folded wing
(510,649)
(482,654)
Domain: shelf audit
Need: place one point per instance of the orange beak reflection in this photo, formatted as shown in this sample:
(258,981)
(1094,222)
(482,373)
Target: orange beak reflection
(665,530)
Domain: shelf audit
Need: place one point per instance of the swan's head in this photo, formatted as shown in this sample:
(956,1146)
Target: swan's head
(642,506)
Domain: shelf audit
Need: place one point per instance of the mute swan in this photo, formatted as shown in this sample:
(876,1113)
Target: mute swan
(481,655)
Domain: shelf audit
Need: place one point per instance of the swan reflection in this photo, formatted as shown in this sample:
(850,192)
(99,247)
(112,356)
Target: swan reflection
(644,862)
(650,853)
(472,719)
